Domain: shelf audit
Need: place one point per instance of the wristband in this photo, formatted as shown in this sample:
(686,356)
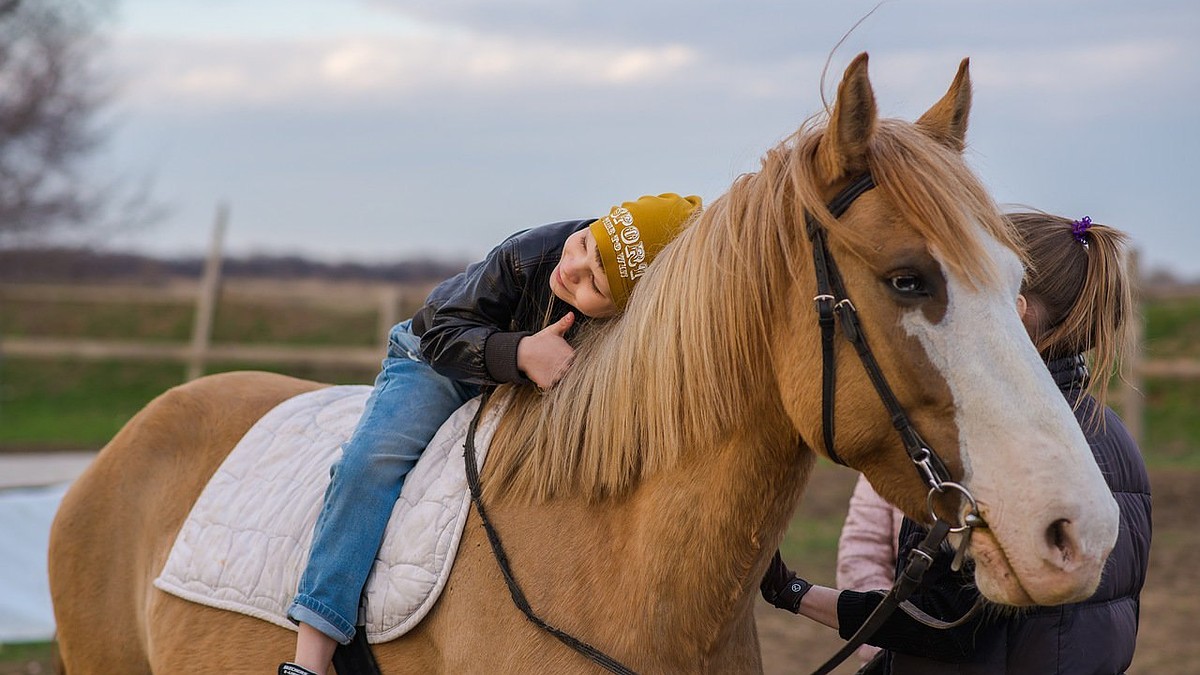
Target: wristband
(792,593)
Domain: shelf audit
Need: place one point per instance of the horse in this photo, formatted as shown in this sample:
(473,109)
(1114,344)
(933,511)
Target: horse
(641,499)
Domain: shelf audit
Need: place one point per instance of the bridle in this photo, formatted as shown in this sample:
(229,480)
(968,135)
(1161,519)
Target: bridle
(832,300)
(833,307)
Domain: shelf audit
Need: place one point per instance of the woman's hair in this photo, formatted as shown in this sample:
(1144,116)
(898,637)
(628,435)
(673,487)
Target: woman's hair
(1078,283)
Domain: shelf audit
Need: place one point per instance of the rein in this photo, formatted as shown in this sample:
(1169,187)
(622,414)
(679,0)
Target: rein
(833,307)
(514,589)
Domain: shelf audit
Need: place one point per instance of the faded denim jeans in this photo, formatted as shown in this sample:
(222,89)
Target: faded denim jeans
(410,402)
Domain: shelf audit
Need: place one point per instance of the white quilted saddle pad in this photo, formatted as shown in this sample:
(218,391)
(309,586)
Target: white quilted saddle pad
(244,545)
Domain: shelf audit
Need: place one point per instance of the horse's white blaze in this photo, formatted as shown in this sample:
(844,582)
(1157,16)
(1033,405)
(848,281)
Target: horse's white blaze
(1051,516)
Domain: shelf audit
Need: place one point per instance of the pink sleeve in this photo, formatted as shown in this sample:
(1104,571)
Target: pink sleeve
(867,546)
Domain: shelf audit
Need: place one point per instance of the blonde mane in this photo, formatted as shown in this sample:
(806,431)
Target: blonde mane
(687,365)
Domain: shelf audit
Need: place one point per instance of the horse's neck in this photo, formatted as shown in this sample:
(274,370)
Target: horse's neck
(726,507)
(679,556)
(714,523)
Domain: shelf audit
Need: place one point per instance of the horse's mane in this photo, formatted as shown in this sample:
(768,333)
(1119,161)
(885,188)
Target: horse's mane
(687,364)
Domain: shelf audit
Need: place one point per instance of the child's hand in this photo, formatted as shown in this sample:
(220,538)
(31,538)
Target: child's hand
(545,355)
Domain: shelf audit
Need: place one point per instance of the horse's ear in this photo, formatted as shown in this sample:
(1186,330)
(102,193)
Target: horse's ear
(946,121)
(843,150)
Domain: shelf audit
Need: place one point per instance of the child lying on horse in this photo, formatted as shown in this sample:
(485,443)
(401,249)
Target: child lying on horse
(504,320)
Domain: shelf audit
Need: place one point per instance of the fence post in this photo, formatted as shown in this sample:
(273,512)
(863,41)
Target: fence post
(206,299)
(389,310)
(1132,396)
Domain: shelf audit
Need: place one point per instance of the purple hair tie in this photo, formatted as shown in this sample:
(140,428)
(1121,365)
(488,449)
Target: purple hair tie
(1079,228)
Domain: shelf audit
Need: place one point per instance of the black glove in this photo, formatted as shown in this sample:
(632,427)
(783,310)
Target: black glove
(781,587)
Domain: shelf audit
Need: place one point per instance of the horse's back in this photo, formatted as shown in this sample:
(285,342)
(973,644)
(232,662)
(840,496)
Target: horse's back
(117,522)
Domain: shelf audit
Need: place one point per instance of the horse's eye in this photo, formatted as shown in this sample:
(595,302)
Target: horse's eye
(909,284)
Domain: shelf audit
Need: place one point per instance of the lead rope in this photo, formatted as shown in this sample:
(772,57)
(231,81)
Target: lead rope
(919,560)
(514,589)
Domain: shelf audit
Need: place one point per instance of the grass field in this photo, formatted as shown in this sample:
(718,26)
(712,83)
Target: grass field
(80,404)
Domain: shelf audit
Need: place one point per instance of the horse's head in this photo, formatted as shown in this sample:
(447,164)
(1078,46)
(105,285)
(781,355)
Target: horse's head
(933,271)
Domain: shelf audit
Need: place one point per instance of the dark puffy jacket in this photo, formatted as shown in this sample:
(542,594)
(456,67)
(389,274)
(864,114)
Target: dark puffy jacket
(1093,636)
(471,323)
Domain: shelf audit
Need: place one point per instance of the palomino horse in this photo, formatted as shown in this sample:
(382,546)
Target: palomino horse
(640,500)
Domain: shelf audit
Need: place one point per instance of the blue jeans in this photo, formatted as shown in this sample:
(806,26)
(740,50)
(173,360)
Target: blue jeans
(410,402)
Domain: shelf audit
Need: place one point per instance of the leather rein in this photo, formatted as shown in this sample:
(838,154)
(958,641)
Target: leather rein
(833,307)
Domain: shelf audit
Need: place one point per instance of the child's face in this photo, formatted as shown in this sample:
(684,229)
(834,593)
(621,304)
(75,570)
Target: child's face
(579,278)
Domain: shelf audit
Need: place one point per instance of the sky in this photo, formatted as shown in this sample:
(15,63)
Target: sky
(384,130)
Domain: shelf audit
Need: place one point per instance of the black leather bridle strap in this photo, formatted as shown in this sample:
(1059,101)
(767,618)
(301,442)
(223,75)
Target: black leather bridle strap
(834,306)
(829,289)
(833,301)
(514,589)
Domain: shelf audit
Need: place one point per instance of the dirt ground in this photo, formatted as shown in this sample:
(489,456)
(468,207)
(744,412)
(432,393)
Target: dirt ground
(1170,613)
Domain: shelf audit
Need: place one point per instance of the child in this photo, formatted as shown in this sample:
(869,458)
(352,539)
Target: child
(504,320)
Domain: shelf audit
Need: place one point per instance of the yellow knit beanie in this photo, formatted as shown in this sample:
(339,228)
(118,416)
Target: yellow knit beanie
(633,233)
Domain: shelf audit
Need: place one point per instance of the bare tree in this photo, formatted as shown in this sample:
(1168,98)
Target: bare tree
(51,92)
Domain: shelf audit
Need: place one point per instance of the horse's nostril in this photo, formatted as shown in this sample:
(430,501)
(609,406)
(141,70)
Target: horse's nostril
(1058,536)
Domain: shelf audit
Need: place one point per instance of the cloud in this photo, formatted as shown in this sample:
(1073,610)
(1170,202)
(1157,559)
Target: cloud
(240,72)
(545,109)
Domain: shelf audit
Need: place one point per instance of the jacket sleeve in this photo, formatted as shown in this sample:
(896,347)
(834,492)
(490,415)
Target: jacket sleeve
(465,323)
(866,557)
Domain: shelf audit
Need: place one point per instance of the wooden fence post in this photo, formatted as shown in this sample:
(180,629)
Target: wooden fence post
(389,311)
(206,300)
(1132,380)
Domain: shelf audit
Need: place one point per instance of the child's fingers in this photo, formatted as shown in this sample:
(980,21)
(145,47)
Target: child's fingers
(564,324)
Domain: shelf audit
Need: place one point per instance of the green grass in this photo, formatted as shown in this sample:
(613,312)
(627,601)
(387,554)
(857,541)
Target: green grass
(109,321)
(811,544)
(27,657)
(296,325)
(1172,326)
(1172,423)
(84,403)
(233,322)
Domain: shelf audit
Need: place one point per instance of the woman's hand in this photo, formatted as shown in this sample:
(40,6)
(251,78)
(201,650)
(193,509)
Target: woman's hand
(545,356)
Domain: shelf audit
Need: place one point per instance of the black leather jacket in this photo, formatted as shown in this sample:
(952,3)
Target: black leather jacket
(471,323)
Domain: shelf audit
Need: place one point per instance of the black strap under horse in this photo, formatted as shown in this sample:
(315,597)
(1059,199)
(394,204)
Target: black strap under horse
(833,307)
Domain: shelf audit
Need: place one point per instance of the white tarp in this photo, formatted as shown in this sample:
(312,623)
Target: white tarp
(25,517)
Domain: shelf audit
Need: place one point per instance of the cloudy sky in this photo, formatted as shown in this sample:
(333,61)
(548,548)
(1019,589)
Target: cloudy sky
(389,129)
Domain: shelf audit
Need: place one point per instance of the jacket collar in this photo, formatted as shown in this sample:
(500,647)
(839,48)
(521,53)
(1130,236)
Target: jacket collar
(1069,372)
